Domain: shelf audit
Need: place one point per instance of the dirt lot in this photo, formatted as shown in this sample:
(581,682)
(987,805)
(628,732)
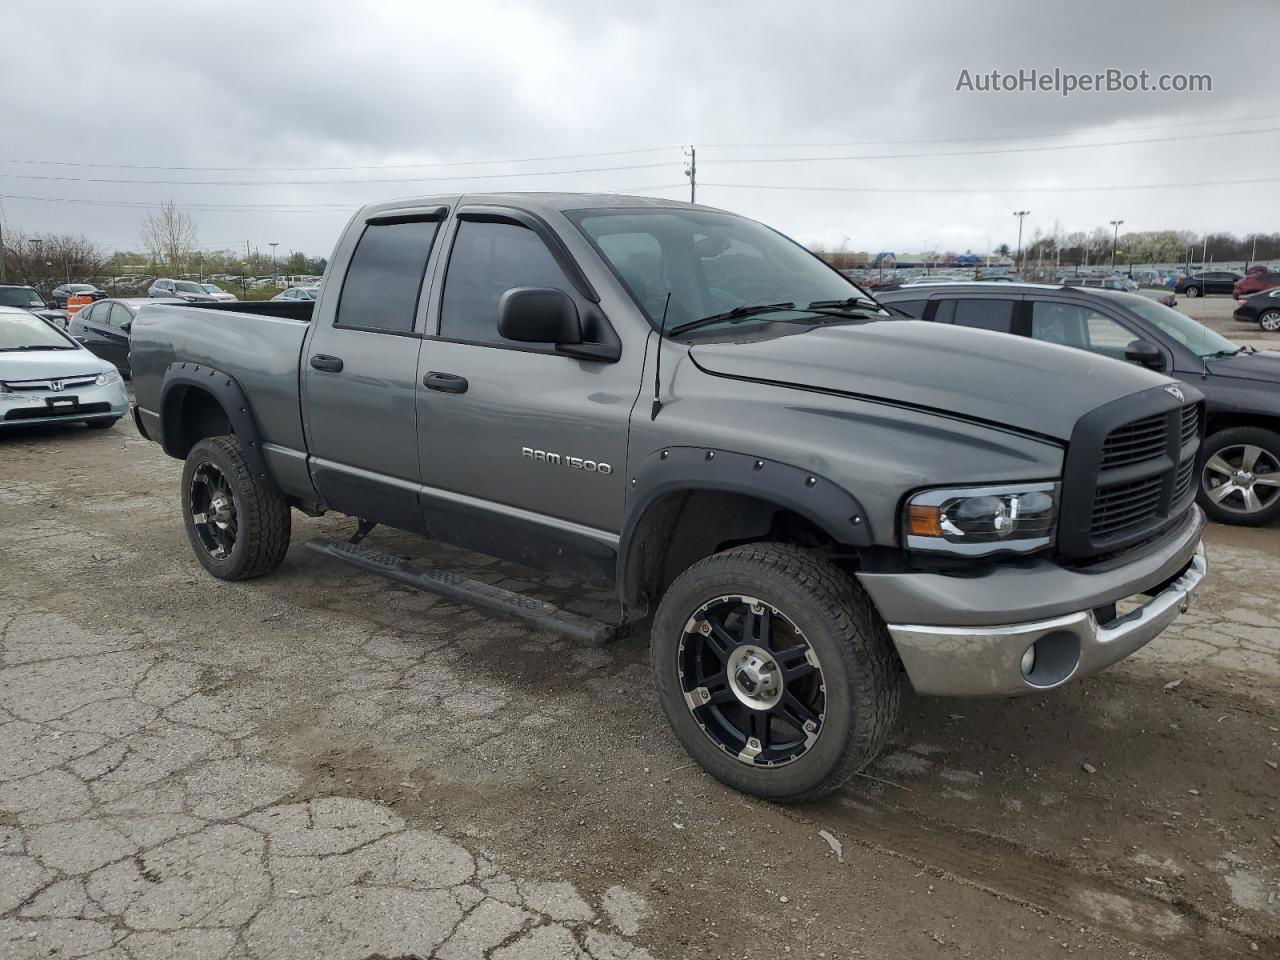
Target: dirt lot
(323,764)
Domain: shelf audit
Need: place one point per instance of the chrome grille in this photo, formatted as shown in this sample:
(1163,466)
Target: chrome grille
(68,383)
(1136,442)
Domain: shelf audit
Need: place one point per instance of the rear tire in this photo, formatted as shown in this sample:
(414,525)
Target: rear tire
(1193,292)
(1270,321)
(238,524)
(1240,476)
(833,653)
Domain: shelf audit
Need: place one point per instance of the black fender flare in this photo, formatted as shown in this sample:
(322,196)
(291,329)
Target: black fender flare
(226,390)
(673,469)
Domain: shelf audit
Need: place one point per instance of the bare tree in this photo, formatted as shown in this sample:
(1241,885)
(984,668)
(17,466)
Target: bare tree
(45,260)
(169,236)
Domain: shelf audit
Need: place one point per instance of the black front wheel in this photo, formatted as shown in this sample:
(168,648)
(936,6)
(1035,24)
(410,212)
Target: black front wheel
(238,524)
(775,671)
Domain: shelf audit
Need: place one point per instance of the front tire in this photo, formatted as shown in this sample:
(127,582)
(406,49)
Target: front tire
(1240,476)
(1193,292)
(775,671)
(238,524)
(1270,321)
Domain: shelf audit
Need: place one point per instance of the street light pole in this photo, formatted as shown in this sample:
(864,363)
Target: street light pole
(1115,240)
(1020,214)
(273,246)
(691,171)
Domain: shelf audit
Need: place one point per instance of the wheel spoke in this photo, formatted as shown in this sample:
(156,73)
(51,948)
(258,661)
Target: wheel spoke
(1222,491)
(758,726)
(1250,459)
(1251,501)
(795,712)
(794,663)
(1267,480)
(717,685)
(720,641)
(1218,465)
(757,627)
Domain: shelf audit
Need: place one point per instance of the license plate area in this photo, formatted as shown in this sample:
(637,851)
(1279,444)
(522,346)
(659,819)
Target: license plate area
(62,404)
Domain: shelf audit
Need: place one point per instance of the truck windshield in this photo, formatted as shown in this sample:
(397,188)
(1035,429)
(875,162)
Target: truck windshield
(26,331)
(711,264)
(1192,334)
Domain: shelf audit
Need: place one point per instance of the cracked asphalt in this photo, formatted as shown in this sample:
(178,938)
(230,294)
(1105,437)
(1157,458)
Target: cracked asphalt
(323,764)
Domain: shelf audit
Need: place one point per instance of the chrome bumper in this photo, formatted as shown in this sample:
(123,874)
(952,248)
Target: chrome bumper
(989,660)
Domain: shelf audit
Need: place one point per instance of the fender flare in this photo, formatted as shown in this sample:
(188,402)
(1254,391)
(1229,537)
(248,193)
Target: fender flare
(226,390)
(673,469)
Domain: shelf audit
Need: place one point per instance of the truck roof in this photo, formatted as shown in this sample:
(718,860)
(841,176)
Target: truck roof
(537,202)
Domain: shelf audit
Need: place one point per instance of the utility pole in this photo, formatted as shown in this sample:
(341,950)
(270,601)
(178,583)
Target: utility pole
(3,277)
(1020,214)
(691,171)
(273,246)
(1115,240)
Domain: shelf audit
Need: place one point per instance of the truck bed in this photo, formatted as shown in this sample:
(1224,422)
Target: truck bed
(257,343)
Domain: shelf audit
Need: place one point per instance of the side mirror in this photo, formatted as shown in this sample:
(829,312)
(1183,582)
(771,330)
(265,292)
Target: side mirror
(539,315)
(1145,354)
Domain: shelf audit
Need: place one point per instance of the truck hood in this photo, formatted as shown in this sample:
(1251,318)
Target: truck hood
(1263,365)
(1004,380)
(48,364)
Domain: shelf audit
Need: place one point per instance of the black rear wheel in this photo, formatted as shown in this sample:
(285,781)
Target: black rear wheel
(775,671)
(1270,320)
(1240,476)
(237,523)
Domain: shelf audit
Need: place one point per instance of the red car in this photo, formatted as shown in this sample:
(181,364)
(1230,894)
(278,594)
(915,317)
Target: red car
(1255,281)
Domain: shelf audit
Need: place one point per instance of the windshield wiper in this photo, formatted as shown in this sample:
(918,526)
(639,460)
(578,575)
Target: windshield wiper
(848,302)
(35,347)
(1219,354)
(737,313)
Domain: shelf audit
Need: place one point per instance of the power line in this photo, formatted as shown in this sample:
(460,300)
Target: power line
(1035,136)
(365,166)
(1004,150)
(321,183)
(987,190)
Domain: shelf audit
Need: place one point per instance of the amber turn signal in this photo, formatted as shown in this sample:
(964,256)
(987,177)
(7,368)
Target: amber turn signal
(924,521)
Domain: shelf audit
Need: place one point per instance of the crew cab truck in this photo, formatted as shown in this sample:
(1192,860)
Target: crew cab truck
(805,497)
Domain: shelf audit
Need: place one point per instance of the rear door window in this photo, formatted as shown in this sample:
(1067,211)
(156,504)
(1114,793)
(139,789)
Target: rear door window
(995,315)
(914,308)
(380,292)
(1075,325)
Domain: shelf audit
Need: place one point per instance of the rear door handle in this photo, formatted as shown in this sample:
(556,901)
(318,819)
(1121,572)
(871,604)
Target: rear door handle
(445,382)
(325,362)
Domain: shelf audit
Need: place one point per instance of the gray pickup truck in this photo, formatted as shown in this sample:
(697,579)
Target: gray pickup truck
(807,496)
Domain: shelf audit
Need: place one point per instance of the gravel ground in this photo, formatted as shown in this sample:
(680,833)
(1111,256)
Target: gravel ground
(323,764)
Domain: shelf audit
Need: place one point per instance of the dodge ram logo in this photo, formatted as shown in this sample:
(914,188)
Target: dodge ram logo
(1175,392)
(561,460)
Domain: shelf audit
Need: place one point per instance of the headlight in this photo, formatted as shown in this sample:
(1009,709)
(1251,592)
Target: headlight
(975,521)
(108,376)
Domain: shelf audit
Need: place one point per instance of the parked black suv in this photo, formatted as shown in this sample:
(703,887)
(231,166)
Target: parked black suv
(1240,466)
(28,298)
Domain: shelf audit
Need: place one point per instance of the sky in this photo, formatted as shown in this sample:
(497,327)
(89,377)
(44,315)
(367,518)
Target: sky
(275,122)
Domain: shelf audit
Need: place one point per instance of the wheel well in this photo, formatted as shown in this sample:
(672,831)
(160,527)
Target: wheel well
(680,528)
(191,414)
(1225,421)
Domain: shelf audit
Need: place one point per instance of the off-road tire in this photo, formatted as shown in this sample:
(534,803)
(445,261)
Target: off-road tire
(1269,441)
(263,517)
(859,665)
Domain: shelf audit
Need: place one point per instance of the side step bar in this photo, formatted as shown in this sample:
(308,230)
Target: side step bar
(542,615)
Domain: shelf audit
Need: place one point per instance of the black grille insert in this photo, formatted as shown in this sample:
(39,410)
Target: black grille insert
(67,413)
(1135,442)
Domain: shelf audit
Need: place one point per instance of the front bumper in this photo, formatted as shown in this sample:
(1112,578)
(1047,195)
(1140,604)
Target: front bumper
(92,402)
(968,654)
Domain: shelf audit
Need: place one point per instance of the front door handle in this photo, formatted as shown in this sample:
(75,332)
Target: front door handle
(325,362)
(445,382)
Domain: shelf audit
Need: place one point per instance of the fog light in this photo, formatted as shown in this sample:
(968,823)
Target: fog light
(1029,660)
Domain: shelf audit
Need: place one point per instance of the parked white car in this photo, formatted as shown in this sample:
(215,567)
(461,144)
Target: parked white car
(218,293)
(47,377)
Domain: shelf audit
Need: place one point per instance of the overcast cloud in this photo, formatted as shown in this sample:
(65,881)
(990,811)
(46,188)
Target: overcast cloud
(326,84)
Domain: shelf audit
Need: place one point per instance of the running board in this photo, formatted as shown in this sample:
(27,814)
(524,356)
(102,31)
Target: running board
(537,613)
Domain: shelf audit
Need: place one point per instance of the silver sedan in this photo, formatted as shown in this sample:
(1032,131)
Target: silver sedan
(46,377)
